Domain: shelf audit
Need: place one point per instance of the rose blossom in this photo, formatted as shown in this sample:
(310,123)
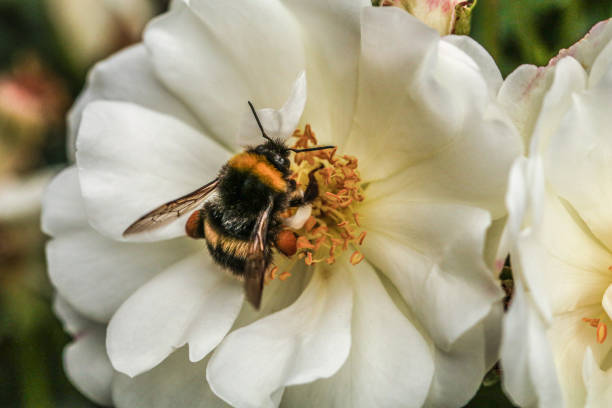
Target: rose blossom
(405,314)
(555,346)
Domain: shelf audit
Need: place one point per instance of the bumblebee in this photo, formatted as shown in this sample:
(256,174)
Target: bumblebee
(242,221)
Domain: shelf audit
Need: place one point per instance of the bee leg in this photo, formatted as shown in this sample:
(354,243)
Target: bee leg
(311,192)
(195,225)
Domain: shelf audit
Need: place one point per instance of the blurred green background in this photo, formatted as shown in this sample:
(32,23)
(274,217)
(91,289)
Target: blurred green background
(46,48)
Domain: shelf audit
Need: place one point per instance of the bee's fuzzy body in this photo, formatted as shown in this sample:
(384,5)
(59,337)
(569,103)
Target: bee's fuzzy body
(247,183)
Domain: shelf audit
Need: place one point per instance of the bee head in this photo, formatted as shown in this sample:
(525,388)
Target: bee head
(275,150)
(276,153)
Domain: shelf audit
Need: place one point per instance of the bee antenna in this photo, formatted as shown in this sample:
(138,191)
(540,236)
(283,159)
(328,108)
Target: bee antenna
(263,133)
(310,149)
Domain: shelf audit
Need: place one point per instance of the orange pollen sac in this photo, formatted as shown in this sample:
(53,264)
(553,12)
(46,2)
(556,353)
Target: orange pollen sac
(601,331)
(334,224)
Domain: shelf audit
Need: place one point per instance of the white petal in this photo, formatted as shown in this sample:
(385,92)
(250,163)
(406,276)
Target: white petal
(471,170)
(459,371)
(597,381)
(278,124)
(255,55)
(114,270)
(601,73)
(308,340)
(607,301)
(96,274)
(126,76)
(132,160)
(570,337)
(176,382)
(569,78)
(390,363)
(193,302)
(524,200)
(479,54)
(521,97)
(388,70)
(331,40)
(87,366)
(530,376)
(433,253)
(72,321)
(63,208)
(563,265)
(431,94)
(578,161)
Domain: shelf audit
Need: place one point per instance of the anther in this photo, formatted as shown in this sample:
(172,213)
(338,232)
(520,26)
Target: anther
(356,257)
(602,332)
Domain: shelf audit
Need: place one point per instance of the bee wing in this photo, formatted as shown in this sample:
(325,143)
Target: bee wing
(172,210)
(256,262)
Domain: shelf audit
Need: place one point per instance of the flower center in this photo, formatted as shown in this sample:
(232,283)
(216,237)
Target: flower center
(333,226)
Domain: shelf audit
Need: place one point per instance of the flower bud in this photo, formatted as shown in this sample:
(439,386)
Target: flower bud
(445,16)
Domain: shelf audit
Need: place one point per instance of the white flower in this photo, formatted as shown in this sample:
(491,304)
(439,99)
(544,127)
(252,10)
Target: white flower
(414,323)
(554,348)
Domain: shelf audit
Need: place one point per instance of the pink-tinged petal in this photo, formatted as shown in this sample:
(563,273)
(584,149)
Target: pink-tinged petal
(524,89)
(88,367)
(440,15)
(193,302)
(521,96)
(132,160)
(587,50)
(176,382)
(306,341)
(237,51)
(569,78)
(126,76)
(390,363)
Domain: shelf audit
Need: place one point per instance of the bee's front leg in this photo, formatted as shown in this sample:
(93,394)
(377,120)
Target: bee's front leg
(311,192)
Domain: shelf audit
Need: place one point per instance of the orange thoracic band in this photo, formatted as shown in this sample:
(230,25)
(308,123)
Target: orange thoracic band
(260,167)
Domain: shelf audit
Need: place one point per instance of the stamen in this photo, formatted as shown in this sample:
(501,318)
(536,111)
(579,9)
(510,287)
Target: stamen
(284,276)
(334,224)
(356,257)
(601,331)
